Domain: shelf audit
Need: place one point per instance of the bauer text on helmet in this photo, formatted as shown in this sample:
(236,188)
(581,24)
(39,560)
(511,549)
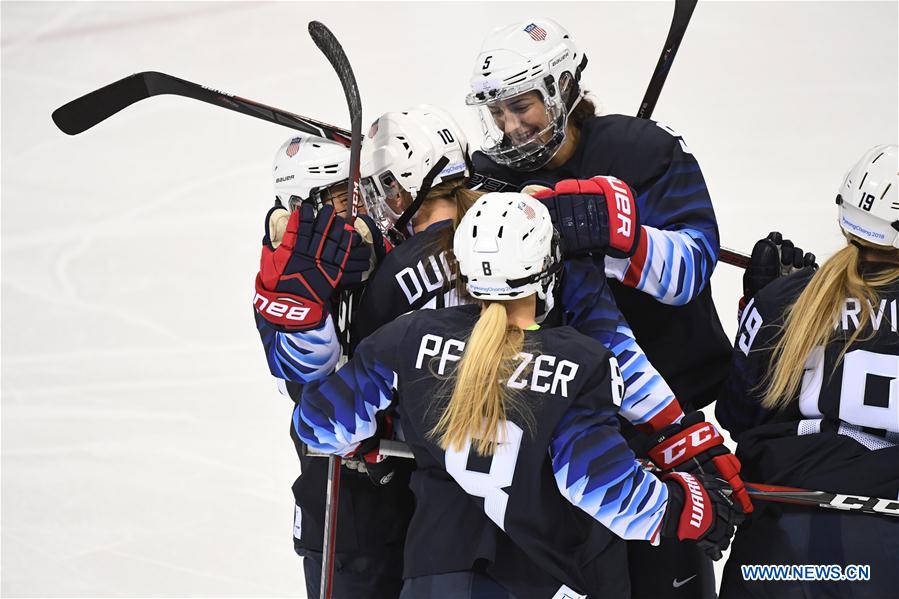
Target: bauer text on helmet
(868,198)
(506,247)
(524,86)
(407,153)
(311,168)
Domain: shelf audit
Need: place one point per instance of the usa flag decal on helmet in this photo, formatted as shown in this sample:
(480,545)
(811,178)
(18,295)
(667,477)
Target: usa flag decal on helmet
(536,32)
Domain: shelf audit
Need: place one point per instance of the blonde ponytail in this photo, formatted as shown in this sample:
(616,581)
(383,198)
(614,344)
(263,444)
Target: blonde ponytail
(480,399)
(811,320)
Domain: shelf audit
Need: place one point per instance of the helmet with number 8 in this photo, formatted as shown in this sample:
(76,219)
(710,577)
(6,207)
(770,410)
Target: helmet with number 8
(405,155)
(507,248)
(868,198)
(531,56)
(308,167)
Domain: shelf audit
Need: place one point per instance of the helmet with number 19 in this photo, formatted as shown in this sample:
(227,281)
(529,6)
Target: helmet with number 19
(524,86)
(868,198)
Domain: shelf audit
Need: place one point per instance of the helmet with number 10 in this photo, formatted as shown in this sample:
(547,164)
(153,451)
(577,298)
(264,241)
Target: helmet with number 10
(404,156)
(524,86)
(868,198)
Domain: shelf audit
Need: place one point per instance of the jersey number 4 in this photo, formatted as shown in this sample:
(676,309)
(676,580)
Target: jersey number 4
(489,485)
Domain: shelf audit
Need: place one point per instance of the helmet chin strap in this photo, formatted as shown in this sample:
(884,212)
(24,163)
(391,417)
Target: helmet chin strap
(400,225)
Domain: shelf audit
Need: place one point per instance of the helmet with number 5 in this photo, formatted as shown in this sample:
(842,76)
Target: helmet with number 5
(868,197)
(405,155)
(524,86)
(507,248)
(308,167)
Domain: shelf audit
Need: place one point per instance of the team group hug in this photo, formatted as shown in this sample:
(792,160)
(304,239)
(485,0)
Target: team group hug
(533,319)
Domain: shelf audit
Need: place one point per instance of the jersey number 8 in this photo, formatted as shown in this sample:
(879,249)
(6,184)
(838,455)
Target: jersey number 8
(489,485)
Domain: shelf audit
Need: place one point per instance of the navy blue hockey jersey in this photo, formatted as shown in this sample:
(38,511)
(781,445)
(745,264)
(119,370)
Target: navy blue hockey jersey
(841,433)
(548,483)
(663,290)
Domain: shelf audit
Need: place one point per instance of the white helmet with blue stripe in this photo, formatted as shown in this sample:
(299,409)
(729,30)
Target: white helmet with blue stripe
(409,151)
(868,198)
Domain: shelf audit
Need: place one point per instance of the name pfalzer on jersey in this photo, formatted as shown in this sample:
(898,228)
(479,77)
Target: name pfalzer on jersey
(547,375)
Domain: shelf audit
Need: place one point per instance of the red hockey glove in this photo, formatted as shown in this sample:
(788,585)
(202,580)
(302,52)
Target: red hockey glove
(296,280)
(594,215)
(700,510)
(694,445)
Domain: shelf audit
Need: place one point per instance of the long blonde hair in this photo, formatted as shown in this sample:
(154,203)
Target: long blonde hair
(480,399)
(812,318)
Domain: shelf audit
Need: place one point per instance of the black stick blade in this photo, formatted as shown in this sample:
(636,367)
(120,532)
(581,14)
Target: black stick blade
(332,49)
(83,113)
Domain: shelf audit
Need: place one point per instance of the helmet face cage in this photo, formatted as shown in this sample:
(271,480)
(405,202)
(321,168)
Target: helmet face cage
(540,146)
(383,199)
(320,196)
(534,55)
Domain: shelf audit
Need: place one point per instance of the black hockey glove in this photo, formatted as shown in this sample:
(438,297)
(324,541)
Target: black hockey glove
(694,445)
(594,215)
(297,279)
(700,510)
(380,468)
(773,257)
(380,246)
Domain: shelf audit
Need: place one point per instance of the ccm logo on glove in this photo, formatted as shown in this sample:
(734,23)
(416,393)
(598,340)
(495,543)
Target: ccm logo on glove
(697,438)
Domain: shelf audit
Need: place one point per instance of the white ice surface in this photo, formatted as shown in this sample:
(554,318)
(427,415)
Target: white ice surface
(144,446)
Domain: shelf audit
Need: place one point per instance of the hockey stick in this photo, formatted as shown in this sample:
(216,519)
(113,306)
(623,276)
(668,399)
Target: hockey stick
(81,114)
(775,493)
(839,501)
(683,11)
(333,51)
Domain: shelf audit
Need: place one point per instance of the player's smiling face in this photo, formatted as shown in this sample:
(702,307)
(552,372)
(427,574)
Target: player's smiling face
(336,195)
(521,118)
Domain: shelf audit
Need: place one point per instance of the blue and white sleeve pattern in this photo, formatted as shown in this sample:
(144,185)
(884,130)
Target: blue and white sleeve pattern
(337,413)
(679,243)
(589,307)
(596,471)
(301,356)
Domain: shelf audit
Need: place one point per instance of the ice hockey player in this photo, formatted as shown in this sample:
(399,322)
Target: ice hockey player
(541,128)
(426,146)
(813,399)
(310,176)
(418,274)
(513,416)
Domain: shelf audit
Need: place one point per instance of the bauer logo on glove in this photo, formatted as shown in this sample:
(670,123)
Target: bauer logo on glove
(594,215)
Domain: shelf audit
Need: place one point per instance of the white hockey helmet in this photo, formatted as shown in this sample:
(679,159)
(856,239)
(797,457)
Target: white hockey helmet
(868,199)
(531,56)
(307,167)
(413,150)
(506,247)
